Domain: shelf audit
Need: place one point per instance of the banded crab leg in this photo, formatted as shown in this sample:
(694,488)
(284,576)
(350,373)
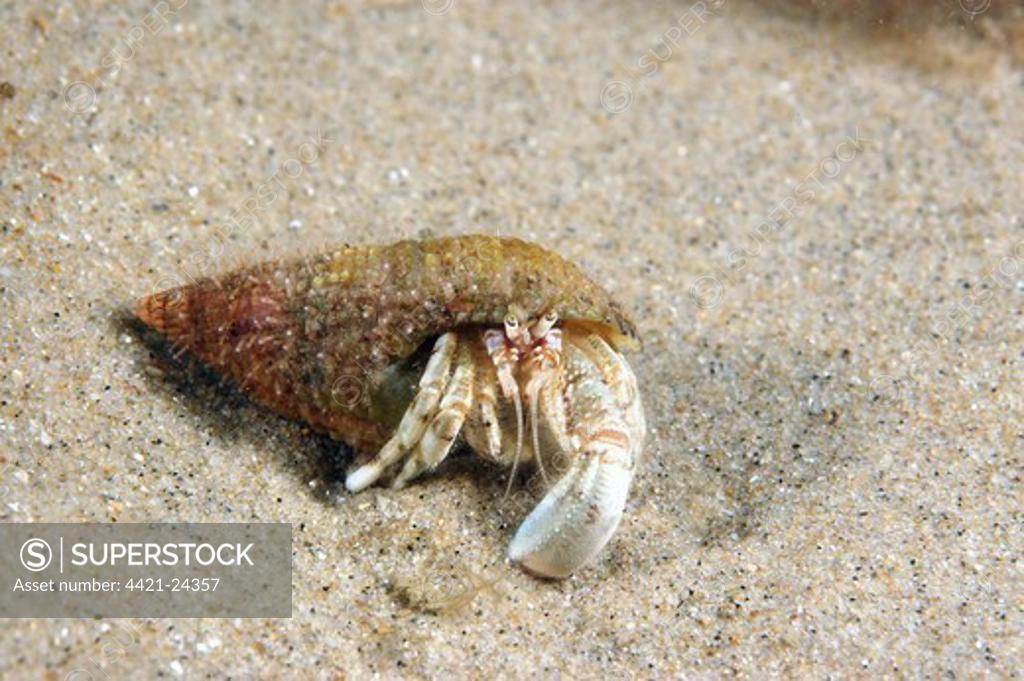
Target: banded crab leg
(414,422)
(578,516)
(444,427)
(505,357)
(483,424)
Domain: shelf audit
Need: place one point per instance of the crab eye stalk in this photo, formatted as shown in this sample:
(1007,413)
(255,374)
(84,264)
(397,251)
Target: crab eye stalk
(544,324)
(514,331)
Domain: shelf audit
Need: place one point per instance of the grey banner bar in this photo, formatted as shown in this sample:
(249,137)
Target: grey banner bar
(145,570)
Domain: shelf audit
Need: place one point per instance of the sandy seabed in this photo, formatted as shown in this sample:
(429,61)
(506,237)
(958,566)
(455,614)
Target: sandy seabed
(818,226)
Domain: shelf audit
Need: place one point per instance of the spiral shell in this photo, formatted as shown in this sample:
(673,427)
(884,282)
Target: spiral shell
(332,339)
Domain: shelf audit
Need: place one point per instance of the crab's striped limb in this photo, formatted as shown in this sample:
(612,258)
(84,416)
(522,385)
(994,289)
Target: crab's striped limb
(483,430)
(421,412)
(578,516)
(439,436)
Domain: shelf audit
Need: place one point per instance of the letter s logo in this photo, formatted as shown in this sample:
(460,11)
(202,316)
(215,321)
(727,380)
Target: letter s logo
(36,555)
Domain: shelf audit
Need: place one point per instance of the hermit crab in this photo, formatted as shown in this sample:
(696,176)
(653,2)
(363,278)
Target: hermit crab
(401,350)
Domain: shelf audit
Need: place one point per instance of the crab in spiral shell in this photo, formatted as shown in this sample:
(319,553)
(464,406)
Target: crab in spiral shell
(403,350)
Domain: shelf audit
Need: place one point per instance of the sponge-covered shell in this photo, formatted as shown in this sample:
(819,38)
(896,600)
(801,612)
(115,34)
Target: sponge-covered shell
(312,338)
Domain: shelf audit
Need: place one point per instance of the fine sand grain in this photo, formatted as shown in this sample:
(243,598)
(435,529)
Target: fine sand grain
(832,482)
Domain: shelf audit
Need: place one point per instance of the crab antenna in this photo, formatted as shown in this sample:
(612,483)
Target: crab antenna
(533,395)
(518,400)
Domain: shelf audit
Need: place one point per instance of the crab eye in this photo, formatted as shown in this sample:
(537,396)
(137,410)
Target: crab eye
(493,340)
(551,317)
(511,321)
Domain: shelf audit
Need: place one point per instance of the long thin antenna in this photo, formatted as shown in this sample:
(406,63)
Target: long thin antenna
(518,400)
(533,395)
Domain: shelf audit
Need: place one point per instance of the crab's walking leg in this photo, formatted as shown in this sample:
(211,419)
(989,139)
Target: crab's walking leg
(437,440)
(483,427)
(578,516)
(432,384)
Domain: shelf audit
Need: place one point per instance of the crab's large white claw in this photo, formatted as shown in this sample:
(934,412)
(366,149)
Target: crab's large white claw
(577,517)
(574,521)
